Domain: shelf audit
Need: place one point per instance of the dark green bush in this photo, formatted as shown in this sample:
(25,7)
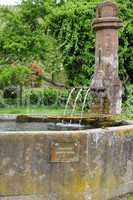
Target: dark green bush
(10,101)
(2,103)
(128,99)
(10,92)
(45,96)
(50,97)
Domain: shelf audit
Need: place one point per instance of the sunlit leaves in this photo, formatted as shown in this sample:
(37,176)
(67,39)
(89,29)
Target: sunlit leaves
(61,36)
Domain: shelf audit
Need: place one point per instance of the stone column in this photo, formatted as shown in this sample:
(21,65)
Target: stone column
(106,86)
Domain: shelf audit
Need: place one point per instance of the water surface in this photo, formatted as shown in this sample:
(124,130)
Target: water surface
(39,126)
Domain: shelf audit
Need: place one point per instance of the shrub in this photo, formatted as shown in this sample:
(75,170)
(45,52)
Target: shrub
(14,76)
(128,99)
(2,102)
(10,92)
(45,96)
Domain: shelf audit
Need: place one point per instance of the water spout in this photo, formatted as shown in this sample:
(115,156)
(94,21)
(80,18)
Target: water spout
(68,100)
(75,103)
(84,103)
(18,97)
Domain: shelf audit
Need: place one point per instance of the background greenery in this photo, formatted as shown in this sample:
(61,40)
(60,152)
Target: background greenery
(59,37)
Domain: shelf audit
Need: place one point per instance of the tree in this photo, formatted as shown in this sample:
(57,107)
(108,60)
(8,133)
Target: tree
(24,38)
(126,40)
(60,35)
(71,25)
(12,75)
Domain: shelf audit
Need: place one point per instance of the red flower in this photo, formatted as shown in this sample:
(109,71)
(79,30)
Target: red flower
(35,68)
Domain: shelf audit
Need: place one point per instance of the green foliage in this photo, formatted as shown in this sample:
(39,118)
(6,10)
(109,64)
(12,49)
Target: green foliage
(60,36)
(128,102)
(71,25)
(45,96)
(14,75)
(2,102)
(20,39)
(37,97)
(24,38)
(126,40)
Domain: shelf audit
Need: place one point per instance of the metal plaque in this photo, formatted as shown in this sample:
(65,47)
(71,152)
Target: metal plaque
(65,151)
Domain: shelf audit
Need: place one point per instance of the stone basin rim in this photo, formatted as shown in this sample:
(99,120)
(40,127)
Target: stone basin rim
(72,132)
(123,125)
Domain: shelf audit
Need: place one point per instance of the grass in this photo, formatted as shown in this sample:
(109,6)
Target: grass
(51,110)
(125,116)
(48,110)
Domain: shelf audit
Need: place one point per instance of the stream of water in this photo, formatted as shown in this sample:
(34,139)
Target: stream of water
(75,102)
(84,103)
(68,101)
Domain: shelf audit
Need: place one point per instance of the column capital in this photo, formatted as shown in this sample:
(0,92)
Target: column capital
(107,16)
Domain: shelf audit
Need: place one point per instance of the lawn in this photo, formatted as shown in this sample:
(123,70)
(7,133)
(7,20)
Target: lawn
(32,110)
(52,110)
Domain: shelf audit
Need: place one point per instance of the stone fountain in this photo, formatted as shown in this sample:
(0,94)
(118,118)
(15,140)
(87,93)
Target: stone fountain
(90,164)
(106,85)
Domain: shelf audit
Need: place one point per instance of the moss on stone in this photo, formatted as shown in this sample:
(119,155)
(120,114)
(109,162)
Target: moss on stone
(130,197)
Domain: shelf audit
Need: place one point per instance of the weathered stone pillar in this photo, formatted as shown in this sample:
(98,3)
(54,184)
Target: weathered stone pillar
(106,86)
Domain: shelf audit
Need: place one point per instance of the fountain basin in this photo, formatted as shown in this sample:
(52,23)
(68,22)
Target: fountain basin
(56,123)
(78,164)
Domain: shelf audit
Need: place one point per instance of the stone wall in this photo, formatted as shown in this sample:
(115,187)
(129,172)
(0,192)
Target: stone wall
(78,165)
